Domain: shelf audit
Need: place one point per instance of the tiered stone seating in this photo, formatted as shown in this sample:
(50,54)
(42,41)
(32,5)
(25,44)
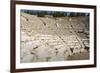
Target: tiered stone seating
(52,39)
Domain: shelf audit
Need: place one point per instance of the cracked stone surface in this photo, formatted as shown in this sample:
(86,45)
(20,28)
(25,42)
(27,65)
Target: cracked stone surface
(46,39)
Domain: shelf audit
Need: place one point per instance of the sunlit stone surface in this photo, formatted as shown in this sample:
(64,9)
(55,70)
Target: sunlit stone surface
(53,39)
